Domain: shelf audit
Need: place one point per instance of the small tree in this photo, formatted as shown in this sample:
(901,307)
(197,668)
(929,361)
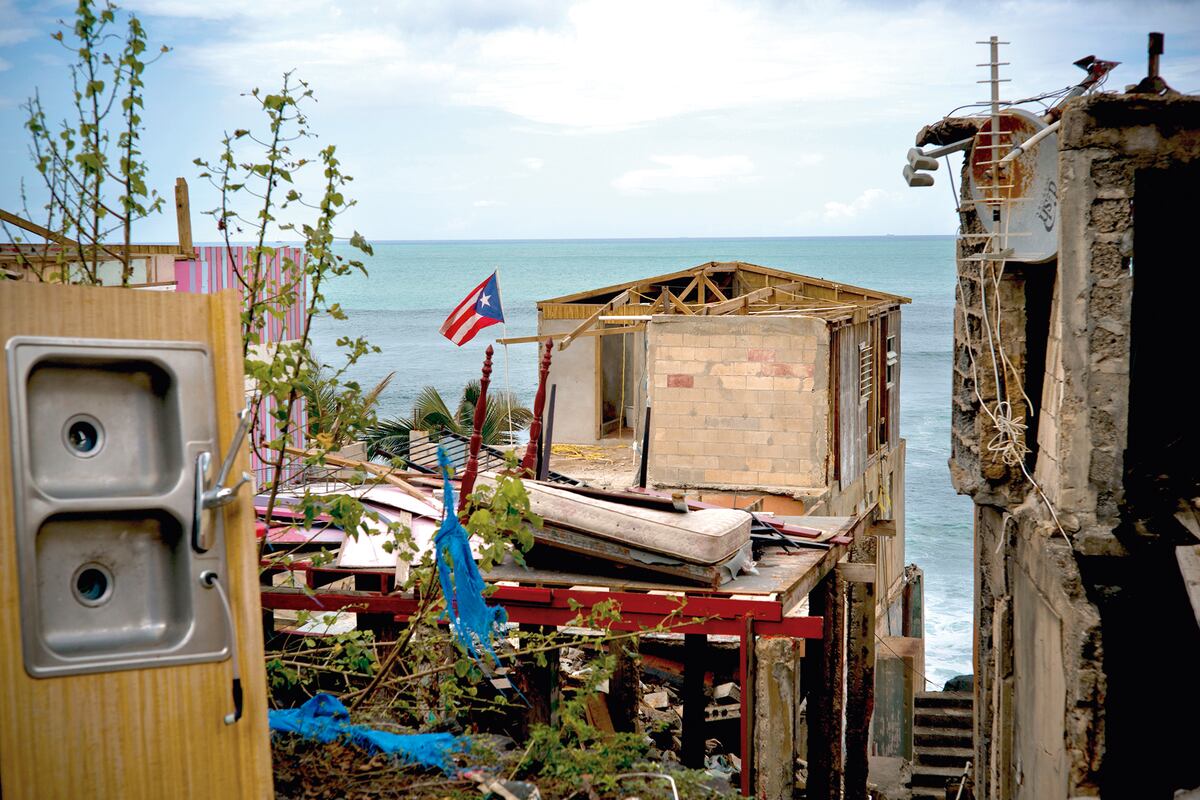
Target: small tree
(93,173)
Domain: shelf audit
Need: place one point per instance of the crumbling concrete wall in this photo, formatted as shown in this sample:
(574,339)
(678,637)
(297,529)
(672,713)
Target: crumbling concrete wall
(1068,600)
(739,402)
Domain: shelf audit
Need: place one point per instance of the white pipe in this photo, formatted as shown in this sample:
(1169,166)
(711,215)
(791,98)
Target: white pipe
(1031,142)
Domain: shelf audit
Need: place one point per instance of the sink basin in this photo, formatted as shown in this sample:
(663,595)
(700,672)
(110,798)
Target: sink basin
(105,439)
(103,425)
(114,582)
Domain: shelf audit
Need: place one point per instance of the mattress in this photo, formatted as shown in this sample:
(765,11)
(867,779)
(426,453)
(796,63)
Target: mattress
(707,536)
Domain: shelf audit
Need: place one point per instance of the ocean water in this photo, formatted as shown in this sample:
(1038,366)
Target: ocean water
(413,286)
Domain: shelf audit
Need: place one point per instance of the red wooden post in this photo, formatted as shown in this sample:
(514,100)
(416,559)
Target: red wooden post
(529,462)
(472,468)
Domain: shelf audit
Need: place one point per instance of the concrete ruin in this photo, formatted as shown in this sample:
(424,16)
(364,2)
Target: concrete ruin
(1084,631)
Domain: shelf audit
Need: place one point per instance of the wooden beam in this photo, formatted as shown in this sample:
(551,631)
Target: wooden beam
(596,332)
(857,573)
(183,215)
(616,302)
(33,227)
(675,301)
(691,285)
(741,301)
(715,290)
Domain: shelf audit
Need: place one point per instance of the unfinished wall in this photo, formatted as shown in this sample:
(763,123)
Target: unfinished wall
(573,371)
(739,402)
(1080,631)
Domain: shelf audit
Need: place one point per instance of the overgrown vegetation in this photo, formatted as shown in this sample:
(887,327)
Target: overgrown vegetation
(90,160)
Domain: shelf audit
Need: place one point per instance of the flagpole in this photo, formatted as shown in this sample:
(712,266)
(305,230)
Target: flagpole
(507,386)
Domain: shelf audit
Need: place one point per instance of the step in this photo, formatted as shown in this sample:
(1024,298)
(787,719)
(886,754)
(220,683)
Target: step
(937,736)
(943,756)
(924,775)
(946,717)
(943,699)
(928,793)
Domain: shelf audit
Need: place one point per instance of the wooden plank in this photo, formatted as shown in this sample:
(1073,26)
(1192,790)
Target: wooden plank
(1189,568)
(80,734)
(857,573)
(34,228)
(594,332)
(714,288)
(183,215)
(620,299)
(677,303)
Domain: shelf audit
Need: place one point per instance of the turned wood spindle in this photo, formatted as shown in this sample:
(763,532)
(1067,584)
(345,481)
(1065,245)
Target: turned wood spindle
(472,468)
(529,462)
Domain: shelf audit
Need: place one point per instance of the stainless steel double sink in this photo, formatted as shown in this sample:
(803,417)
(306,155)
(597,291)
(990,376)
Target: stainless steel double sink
(106,439)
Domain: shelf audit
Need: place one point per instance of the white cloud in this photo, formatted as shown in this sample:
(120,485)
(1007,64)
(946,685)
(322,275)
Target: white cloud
(486,203)
(600,65)
(532,163)
(864,202)
(685,173)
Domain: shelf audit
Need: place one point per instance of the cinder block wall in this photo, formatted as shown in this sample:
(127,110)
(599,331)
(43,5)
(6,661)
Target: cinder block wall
(739,402)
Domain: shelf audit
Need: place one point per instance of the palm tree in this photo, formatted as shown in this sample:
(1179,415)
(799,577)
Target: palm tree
(332,410)
(389,437)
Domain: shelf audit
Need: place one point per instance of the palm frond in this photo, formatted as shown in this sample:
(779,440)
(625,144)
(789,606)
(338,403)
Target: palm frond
(430,411)
(388,437)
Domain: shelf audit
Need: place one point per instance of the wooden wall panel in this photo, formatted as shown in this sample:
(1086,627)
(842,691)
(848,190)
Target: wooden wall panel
(149,733)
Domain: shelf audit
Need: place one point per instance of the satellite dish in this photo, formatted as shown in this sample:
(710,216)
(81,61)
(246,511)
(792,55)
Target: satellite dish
(1028,187)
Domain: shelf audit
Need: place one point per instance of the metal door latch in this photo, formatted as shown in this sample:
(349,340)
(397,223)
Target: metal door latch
(218,494)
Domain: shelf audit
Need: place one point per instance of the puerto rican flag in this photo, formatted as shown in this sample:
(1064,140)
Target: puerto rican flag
(478,310)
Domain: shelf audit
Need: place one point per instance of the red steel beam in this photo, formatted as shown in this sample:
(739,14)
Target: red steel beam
(728,623)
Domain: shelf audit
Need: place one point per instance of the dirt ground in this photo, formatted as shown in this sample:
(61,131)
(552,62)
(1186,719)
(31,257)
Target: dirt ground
(605,466)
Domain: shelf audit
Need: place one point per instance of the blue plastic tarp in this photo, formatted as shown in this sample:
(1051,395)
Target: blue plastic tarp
(325,719)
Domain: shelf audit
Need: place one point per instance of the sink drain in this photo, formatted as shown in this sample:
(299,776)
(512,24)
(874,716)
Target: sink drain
(83,435)
(92,584)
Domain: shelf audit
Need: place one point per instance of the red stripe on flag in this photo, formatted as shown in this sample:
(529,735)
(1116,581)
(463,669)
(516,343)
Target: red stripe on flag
(479,325)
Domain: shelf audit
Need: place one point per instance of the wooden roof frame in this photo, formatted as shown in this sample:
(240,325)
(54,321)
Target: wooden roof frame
(792,294)
(700,275)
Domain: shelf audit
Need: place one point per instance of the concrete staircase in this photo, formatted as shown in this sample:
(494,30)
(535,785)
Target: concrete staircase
(942,741)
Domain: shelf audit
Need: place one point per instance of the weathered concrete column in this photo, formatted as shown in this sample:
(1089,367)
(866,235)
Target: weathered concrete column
(823,672)
(860,663)
(777,696)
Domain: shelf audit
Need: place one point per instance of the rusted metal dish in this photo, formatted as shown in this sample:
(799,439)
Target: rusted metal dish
(1025,191)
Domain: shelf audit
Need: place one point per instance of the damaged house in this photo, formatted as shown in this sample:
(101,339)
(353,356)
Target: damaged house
(1071,431)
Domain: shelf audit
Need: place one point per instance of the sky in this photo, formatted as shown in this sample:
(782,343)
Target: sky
(509,119)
